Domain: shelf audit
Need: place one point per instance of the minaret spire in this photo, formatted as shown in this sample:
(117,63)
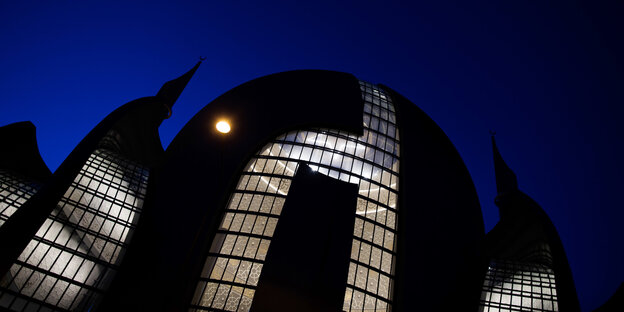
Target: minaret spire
(172,89)
(506,180)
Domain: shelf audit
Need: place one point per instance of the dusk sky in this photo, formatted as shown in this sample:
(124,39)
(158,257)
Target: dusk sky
(547,76)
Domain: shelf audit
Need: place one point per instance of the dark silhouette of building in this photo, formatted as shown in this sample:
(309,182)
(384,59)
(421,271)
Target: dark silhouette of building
(217,205)
(528,268)
(22,171)
(615,303)
(63,245)
(328,194)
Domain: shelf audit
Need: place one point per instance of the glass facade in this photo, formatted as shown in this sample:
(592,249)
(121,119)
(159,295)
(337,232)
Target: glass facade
(74,254)
(516,286)
(14,192)
(234,265)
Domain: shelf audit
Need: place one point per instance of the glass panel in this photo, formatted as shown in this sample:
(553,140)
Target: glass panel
(14,191)
(82,239)
(370,161)
(513,285)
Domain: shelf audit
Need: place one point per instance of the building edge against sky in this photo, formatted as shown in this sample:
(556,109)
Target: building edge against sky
(527,266)
(437,220)
(22,170)
(64,245)
(203,166)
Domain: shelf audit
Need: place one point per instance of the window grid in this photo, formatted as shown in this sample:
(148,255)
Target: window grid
(14,192)
(234,264)
(516,286)
(75,253)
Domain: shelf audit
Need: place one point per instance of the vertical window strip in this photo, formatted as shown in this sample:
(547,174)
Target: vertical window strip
(516,286)
(370,160)
(74,255)
(14,192)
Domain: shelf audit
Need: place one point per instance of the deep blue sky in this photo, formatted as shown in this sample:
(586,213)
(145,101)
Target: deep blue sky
(547,77)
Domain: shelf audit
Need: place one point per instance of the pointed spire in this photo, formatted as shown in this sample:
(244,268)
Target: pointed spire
(506,180)
(171,90)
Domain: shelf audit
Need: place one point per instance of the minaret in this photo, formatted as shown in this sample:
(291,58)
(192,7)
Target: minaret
(524,250)
(63,247)
(171,90)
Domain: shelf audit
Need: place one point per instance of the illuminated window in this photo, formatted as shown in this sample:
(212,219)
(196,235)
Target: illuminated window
(75,253)
(234,264)
(14,192)
(516,286)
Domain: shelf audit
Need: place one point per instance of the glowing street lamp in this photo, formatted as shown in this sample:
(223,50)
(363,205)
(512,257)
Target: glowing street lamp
(223,126)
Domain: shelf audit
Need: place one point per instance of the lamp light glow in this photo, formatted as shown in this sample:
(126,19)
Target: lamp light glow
(223,126)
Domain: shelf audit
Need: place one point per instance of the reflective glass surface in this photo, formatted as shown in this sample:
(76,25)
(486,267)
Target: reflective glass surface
(14,192)
(73,256)
(515,286)
(237,254)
